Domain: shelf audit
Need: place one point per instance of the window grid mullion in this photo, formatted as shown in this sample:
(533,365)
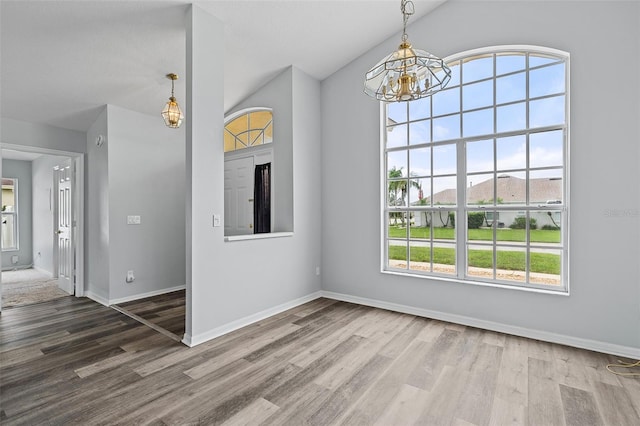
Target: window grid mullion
(461,182)
(527,234)
(495,167)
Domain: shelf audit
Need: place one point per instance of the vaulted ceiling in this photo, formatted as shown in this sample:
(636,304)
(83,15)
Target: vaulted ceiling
(60,61)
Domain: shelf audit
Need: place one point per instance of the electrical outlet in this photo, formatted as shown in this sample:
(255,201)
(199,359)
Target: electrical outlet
(130,277)
(133,220)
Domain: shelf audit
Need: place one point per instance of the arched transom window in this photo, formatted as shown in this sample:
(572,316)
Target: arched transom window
(252,128)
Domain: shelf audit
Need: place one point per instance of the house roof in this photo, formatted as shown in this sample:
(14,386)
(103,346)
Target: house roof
(510,190)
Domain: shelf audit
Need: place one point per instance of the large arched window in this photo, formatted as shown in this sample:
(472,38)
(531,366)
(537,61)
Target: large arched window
(475,181)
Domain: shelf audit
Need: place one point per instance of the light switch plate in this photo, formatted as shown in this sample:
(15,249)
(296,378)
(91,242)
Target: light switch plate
(216,220)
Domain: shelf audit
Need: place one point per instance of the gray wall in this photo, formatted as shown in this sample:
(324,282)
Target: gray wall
(605,106)
(97,211)
(43,223)
(231,281)
(20,170)
(146,178)
(139,170)
(42,136)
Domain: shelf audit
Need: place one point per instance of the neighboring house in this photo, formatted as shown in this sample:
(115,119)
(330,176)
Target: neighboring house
(510,190)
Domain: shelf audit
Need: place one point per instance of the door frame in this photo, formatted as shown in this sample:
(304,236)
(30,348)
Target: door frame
(56,215)
(77,160)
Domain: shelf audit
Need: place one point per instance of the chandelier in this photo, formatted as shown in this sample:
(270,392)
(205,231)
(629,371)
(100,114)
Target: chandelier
(407,74)
(171,112)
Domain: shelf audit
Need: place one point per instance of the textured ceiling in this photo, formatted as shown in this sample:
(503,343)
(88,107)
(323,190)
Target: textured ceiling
(61,61)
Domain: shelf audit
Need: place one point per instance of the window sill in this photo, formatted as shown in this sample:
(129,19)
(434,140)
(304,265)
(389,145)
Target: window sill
(257,236)
(561,291)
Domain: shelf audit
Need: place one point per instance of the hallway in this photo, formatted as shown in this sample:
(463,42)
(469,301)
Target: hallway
(28,286)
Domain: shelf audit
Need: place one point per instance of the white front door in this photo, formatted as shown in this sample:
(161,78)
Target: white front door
(238,196)
(64,231)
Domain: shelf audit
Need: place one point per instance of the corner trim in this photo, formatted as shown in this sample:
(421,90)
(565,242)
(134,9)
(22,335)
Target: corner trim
(43,271)
(593,345)
(96,298)
(191,340)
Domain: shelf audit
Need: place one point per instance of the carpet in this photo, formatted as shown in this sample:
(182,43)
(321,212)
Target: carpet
(26,293)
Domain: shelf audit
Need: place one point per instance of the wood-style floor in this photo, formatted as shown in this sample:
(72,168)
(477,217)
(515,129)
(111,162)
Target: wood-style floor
(72,361)
(165,311)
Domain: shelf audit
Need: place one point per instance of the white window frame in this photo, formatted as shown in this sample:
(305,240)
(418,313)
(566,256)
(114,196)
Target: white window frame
(14,213)
(461,208)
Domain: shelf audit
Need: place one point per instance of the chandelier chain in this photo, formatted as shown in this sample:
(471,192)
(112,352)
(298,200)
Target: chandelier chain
(407,9)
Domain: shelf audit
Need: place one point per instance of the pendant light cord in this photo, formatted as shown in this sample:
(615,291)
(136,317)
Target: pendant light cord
(623,365)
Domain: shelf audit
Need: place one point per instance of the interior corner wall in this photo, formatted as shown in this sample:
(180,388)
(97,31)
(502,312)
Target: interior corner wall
(604,304)
(146,178)
(230,282)
(20,170)
(307,181)
(97,211)
(43,223)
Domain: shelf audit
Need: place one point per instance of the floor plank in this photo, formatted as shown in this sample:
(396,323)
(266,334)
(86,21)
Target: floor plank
(580,407)
(166,311)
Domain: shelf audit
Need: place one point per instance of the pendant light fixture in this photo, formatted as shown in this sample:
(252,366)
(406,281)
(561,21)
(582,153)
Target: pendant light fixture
(407,74)
(171,113)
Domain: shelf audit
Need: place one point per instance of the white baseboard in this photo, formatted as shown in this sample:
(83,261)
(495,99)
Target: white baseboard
(16,267)
(191,341)
(593,345)
(96,298)
(145,295)
(43,271)
(108,302)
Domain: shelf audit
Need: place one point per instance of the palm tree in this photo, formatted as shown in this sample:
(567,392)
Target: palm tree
(399,186)
(395,185)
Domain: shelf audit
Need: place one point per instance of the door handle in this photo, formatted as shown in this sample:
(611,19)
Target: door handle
(251,200)
(58,232)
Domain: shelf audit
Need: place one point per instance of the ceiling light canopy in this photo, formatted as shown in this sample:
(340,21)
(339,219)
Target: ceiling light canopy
(172,114)
(407,74)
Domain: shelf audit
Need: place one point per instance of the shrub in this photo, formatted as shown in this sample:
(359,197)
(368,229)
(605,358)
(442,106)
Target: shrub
(521,223)
(550,228)
(452,219)
(475,220)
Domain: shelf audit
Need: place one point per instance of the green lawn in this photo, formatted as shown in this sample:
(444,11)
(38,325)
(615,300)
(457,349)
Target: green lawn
(510,260)
(506,234)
